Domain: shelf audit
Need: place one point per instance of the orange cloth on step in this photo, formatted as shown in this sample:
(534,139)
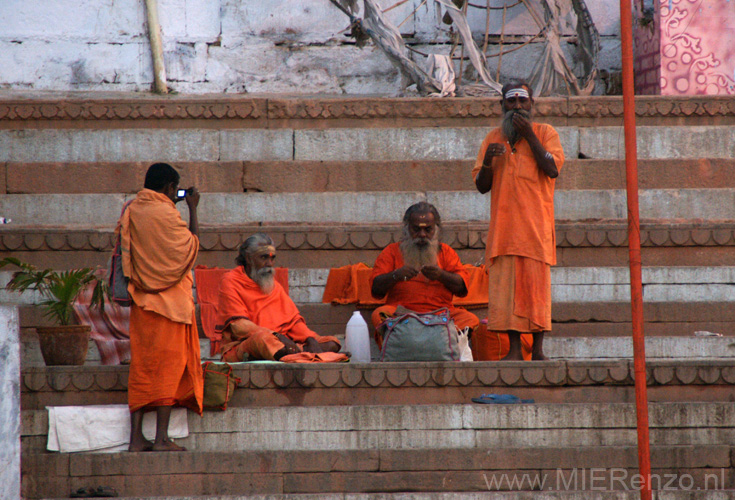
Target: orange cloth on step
(158,252)
(351,285)
(165,366)
(521,198)
(241,298)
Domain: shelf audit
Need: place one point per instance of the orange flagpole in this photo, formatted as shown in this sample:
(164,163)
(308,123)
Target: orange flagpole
(634,249)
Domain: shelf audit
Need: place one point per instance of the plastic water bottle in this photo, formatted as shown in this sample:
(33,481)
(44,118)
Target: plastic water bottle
(357,339)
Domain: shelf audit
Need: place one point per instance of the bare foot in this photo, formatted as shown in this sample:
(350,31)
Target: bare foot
(145,445)
(167,445)
(513,356)
(538,357)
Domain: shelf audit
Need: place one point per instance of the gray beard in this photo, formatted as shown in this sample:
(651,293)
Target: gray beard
(265,277)
(509,131)
(418,256)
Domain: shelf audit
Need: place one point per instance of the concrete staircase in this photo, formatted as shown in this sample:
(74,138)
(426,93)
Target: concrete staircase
(329,179)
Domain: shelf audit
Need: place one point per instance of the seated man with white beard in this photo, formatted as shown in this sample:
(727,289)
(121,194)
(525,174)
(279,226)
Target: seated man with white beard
(255,315)
(420,273)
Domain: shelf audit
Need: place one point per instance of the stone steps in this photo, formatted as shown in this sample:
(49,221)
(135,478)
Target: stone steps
(342,144)
(90,211)
(438,427)
(371,471)
(353,176)
(579,243)
(632,494)
(555,347)
(570,285)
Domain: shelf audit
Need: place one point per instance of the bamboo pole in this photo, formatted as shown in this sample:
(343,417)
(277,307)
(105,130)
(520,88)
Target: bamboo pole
(154,33)
(634,250)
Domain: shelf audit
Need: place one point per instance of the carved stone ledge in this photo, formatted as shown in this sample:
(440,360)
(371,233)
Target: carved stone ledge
(134,109)
(424,375)
(122,107)
(375,237)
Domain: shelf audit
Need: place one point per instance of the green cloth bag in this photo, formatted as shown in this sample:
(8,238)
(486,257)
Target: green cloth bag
(219,385)
(412,336)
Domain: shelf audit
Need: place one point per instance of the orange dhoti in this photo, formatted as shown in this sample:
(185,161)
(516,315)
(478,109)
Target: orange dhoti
(462,318)
(261,343)
(519,301)
(165,366)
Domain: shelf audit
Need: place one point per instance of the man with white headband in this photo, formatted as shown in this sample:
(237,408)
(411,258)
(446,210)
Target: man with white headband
(255,315)
(518,163)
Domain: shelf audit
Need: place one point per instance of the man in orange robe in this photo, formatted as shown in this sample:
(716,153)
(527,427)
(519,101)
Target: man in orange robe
(518,163)
(257,318)
(158,253)
(420,273)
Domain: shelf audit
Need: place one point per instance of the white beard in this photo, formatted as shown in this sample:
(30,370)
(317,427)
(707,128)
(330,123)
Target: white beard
(418,256)
(265,277)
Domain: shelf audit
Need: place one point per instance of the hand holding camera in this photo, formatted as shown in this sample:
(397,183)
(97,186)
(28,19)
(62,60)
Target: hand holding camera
(190,195)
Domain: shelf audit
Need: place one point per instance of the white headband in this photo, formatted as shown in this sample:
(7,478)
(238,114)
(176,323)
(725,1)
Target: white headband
(517,93)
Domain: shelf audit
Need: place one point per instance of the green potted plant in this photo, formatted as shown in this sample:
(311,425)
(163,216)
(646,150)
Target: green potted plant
(66,342)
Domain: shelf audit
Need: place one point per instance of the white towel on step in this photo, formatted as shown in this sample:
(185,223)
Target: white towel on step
(103,427)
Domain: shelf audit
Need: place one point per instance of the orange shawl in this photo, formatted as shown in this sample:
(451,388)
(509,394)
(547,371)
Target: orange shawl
(419,294)
(158,253)
(241,297)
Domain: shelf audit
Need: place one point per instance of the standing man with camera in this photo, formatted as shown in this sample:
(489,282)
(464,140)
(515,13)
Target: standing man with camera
(518,163)
(158,253)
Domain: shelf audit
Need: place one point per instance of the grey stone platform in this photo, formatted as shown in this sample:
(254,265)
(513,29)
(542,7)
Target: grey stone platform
(95,211)
(341,144)
(471,426)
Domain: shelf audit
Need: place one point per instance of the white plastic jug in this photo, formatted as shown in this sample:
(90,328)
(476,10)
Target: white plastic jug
(357,339)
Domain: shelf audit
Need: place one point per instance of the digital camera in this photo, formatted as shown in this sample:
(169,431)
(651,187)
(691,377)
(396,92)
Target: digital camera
(183,193)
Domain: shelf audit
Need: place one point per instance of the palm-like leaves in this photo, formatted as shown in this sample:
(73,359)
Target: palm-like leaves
(59,289)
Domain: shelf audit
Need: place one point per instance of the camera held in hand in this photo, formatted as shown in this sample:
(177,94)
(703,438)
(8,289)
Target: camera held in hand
(183,193)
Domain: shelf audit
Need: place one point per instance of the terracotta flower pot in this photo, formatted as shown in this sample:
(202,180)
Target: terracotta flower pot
(64,345)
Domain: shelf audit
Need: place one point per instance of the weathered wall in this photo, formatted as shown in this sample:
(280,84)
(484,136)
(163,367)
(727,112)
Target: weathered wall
(9,403)
(239,45)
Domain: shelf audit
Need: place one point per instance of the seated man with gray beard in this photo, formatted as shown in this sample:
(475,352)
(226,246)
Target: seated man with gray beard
(420,273)
(255,315)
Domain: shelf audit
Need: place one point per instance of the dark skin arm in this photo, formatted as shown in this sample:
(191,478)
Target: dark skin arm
(453,282)
(383,283)
(192,202)
(484,179)
(545,161)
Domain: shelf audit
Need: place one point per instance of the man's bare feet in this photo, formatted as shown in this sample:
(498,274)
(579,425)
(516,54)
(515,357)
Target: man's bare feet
(515,353)
(167,445)
(144,445)
(537,352)
(289,347)
(513,356)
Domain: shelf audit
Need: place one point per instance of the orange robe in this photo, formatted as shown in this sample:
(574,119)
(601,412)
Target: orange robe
(521,226)
(241,298)
(158,253)
(419,293)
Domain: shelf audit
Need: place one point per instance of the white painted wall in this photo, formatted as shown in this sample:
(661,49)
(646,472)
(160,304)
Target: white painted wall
(252,46)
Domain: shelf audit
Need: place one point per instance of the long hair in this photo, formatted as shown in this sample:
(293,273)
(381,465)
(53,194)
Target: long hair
(250,245)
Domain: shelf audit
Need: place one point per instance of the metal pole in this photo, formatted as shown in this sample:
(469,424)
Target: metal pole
(634,249)
(154,34)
